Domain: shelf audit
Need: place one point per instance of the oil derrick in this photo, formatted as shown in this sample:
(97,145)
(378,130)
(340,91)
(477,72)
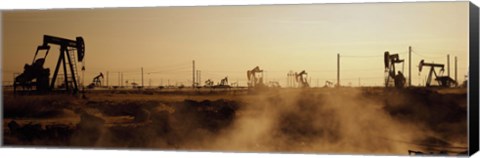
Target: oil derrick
(442,81)
(397,78)
(97,81)
(255,77)
(301,79)
(36,78)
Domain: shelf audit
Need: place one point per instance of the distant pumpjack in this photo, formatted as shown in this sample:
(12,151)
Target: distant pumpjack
(255,77)
(97,82)
(223,83)
(443,81)
(398,77)
(274,84)
(328,84)
(35,75)
(208,83)
(301,78)
(135,85)
(234,84)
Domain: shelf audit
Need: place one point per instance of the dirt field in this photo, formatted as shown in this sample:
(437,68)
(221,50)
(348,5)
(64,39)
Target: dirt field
(317,120)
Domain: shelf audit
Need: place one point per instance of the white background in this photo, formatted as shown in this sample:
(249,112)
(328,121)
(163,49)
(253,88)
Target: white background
(82,153)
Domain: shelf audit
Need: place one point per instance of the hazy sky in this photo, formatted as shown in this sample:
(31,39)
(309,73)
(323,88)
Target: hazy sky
(229,40)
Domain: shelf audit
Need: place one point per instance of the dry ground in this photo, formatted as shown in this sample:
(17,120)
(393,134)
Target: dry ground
(321,120)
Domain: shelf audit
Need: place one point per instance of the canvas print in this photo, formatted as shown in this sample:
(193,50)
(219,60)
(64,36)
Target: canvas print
(366,78)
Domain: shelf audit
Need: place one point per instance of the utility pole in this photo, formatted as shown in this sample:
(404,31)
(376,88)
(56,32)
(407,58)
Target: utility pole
(121,79)
(409,66)
(198,78)
(448,65)
(456,69)
(193,74)
(338,70)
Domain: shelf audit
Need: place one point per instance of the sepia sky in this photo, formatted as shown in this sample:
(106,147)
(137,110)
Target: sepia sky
(229,40)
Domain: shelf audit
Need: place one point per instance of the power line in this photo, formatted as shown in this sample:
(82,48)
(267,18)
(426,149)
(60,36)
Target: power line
(170,65)
(169,71)
(427,57)
(172,68)
(363,56)
(356,78)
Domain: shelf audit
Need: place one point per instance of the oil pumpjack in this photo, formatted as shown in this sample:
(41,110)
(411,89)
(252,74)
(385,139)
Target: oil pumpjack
(398,77)
(301,78)
(442,81)
(35,75)
(97,81)
(255,77)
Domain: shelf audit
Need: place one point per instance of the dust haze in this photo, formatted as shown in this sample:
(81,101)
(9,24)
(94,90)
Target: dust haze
(317,120)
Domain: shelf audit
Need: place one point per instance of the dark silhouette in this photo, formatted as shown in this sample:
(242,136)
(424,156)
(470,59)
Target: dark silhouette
(35,75)
(97,82)
(443,81)
(301,78)
(255,80)
(390,61)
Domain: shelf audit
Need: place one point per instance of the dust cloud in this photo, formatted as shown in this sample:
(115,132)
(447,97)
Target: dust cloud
(344,120)
(305,121)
